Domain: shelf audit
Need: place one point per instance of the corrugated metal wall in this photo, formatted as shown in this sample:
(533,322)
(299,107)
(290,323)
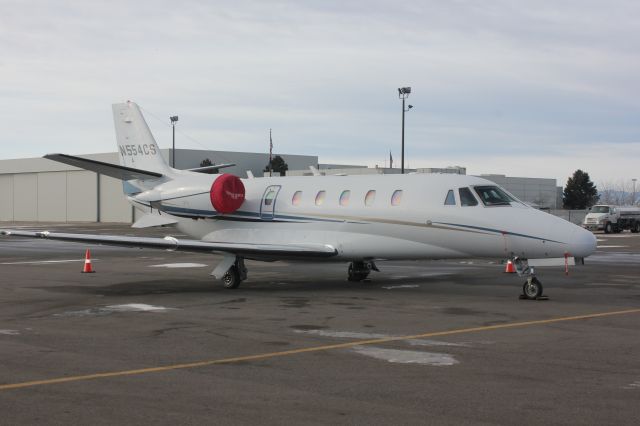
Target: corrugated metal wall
(62,196)
(6,197)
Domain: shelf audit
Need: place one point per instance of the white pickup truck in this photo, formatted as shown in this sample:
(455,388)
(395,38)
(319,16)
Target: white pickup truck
(612,219)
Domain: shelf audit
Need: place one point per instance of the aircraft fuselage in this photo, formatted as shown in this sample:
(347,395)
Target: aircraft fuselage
(370,217)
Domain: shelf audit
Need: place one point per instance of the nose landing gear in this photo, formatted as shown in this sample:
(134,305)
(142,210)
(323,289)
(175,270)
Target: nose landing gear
(532,287)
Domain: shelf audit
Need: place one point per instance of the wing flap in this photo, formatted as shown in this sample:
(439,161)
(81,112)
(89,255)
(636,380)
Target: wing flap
(255,251)
(107,169)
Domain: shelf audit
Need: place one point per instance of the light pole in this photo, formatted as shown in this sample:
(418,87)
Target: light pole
(174,120)
(633,201)
(403,93)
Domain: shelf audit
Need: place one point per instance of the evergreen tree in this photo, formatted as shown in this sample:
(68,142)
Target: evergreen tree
(277,165)
(205,163)
(579,193)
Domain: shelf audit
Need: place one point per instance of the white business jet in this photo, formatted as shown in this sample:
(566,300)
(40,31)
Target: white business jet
(355,219)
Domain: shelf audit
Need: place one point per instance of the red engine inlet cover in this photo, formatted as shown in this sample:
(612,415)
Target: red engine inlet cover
(227,193)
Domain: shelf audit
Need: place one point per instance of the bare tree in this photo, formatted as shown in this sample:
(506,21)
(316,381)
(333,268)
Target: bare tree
(619,192)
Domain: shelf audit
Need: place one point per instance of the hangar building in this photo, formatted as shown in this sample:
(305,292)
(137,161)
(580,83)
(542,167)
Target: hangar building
(41,190)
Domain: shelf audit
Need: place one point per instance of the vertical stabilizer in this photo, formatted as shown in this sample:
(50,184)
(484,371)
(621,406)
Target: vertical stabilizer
(136,146)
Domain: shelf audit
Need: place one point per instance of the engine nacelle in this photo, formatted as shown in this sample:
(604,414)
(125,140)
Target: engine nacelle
(227,193)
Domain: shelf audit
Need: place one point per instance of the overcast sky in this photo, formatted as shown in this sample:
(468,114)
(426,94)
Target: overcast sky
(520,88)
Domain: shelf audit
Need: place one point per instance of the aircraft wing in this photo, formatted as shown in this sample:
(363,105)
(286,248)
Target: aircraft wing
(107,169)
(251,251)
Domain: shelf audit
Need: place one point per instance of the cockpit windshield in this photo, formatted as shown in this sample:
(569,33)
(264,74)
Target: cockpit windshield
(600,209)
(493,196)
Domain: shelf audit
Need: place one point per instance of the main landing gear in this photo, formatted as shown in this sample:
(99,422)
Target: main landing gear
(532,287)
(360,270)
(231,271)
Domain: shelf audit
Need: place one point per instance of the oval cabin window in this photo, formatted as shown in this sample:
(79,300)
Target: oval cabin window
(297,196)
(320,197)
(344,197)
(370,198)
(396,198)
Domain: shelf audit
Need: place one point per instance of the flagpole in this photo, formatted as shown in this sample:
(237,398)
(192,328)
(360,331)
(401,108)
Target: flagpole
(270,154)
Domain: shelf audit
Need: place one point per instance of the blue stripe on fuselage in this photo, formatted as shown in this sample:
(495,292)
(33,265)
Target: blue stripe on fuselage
(498,231)
(179,211)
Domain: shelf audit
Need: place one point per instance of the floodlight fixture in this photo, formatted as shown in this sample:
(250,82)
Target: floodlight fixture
(403,92)
(174,120)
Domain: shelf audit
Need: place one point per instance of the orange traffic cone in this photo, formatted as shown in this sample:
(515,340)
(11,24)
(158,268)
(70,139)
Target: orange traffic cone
(510,269)
(87,263)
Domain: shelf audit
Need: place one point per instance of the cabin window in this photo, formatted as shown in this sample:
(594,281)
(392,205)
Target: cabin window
(396,198)
(493,196)
(268,199)
(450,200)
(344,197)
(467,198)
(320,197)
(370,198)
(297,197)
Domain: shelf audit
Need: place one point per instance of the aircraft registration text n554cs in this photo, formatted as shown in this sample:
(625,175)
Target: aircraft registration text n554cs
(140,149)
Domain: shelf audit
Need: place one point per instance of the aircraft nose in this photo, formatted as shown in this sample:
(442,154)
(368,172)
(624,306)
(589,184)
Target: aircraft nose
(583,243)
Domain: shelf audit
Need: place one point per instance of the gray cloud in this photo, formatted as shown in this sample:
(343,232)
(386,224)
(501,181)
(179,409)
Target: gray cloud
(492,80)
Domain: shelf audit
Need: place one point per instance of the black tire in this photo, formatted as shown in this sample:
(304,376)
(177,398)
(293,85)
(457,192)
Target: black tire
(636,228)
(356,276)
(231,278)
(532,289)
(608,228)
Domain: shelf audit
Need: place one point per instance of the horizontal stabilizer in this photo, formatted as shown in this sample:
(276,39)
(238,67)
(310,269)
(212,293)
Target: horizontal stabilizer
(107,169)
(214,168)
(251,251)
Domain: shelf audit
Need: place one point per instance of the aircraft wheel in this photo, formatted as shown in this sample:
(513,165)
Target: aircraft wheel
(356,275)
(636,228)
(231,278)
(608,228)
(532,288)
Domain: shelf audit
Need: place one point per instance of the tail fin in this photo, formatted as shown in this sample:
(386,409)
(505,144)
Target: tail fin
(136,146)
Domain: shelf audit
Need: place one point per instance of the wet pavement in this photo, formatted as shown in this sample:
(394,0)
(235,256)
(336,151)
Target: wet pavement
(152,338)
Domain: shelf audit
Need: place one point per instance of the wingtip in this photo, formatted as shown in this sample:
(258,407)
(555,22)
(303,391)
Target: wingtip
(51,155)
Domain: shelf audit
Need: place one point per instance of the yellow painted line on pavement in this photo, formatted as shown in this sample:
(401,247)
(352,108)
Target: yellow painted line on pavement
(307,350)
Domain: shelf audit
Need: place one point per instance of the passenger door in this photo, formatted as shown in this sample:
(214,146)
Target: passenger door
(268,203)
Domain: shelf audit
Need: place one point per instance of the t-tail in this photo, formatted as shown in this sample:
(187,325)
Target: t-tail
(136,146)
(141,163)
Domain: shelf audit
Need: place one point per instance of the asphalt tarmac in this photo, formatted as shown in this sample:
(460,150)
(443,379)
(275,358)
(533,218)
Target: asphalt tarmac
(152,338)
